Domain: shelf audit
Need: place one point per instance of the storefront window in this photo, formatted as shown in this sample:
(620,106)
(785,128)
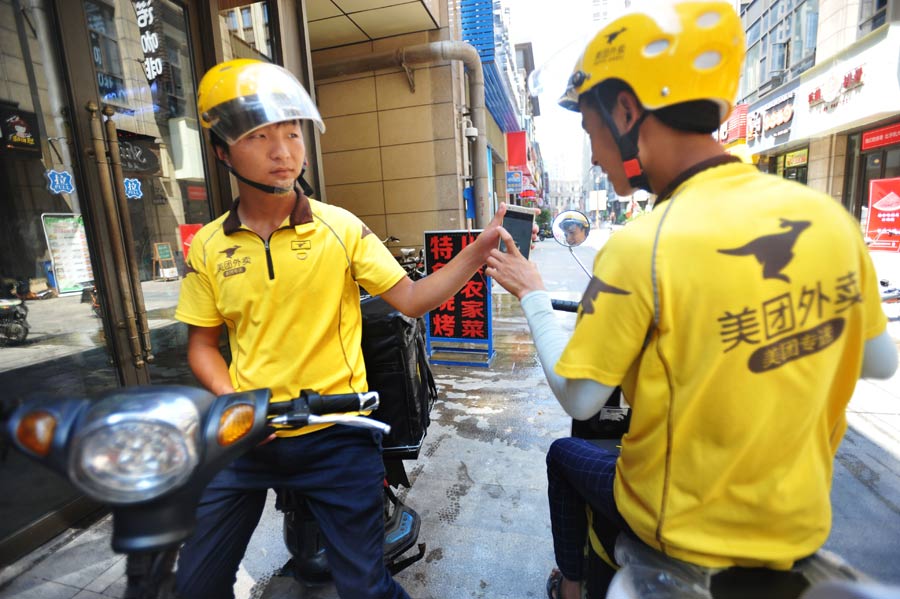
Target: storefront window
(105,51)
(750,80)
(804,28)
(851,197)
(246,30)
(892,164)
(872,14)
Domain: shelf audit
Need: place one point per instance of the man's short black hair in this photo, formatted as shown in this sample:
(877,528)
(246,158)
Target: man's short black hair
(696,116)
(216,141)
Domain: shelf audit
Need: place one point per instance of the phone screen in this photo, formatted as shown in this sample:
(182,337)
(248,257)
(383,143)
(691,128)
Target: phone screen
(519,225)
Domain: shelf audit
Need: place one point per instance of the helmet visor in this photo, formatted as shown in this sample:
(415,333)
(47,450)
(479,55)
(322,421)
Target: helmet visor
(265,97)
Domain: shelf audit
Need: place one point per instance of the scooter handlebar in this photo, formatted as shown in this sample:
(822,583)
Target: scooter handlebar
(564,305)
(313,408)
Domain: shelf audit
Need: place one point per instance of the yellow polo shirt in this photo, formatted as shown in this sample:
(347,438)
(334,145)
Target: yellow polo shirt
(734,316)
(290,302)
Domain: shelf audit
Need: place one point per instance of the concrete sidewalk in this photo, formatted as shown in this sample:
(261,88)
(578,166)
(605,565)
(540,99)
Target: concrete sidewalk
(480,484)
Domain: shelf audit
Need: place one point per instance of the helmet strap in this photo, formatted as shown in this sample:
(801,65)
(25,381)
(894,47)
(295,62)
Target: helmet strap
(256,184)
(628,148)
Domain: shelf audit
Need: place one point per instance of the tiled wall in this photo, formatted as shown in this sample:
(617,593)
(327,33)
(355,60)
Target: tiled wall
(827,160)
(390,155)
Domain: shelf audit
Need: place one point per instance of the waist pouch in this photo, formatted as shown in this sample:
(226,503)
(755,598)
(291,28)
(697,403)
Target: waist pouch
(393,347)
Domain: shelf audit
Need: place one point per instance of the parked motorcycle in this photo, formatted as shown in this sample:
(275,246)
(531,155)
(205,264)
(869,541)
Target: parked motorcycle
(545,231)
(648,574)
(13,316)
(413,262)
(148,453)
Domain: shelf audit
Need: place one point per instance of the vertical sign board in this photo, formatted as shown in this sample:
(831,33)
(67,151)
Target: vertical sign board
(462,324)
(67,243)
(165,261)
(883,220)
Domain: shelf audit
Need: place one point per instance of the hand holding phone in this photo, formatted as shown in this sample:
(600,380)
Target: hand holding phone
(519,221)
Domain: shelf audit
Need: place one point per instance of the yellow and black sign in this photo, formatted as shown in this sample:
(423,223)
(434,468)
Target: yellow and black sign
(19,130)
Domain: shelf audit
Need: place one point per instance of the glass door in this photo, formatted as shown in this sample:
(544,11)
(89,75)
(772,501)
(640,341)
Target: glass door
(102,184)
(145,83)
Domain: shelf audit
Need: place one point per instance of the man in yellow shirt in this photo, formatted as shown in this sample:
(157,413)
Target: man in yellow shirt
(737,317)
(282,273)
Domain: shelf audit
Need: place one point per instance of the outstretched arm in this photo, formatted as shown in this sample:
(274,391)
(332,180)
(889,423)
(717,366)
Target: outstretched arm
(415,298)
(580,398)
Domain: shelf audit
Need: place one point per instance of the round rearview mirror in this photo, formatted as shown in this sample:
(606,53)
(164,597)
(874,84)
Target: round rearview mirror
(571,228)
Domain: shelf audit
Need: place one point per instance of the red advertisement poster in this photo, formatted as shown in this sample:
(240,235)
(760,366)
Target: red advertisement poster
(187,233)
(883,223)
(465,316)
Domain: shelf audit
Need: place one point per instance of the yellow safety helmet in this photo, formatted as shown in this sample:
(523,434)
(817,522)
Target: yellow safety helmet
(242,95)
(669,53)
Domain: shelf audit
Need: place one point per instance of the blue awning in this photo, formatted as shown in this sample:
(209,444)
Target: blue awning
(482,28)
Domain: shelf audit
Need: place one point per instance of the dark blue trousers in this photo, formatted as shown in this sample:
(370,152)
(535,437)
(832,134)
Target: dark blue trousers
(340,473)
(579,473)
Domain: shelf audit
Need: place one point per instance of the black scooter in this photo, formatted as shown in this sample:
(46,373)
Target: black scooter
(148,453)
(394,353)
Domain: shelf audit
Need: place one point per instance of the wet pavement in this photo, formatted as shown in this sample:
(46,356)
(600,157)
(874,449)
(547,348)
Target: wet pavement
(480,487)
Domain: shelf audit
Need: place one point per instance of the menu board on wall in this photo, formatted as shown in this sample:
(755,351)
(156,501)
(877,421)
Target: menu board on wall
(69,256)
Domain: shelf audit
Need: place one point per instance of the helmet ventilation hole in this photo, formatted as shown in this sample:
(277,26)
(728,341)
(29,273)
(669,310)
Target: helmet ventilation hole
(708,19)
(656,47)
(707,60)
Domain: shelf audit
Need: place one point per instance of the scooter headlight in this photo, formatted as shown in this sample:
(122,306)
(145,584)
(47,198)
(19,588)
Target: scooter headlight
(135,448)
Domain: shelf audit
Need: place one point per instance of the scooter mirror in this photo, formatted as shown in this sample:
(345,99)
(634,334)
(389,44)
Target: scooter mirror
(571,228)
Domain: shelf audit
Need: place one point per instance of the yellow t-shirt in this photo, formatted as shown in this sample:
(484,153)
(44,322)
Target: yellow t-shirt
(290,303)
(734,316)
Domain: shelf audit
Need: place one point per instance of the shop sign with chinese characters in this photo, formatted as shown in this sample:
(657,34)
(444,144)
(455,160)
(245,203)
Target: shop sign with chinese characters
(149,25)
(833,90)
(773,119)
(735,127)
(884,215)
(885,136)
(798,158)
(514,182)
(466,315)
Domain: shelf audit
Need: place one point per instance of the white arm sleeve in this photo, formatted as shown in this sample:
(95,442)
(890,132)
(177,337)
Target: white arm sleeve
(580,398)
(880,358)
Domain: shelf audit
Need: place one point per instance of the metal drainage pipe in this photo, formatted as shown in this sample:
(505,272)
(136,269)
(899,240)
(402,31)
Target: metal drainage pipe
(425,53)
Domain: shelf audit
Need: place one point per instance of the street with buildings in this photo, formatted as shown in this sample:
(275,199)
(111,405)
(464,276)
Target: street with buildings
(480,483)
(106,175)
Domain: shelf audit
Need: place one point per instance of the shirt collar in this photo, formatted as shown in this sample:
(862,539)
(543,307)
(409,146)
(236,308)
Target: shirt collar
(697,168)
(300,215)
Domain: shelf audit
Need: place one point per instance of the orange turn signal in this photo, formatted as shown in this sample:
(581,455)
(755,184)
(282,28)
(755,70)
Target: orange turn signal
(235,423)
(35,432)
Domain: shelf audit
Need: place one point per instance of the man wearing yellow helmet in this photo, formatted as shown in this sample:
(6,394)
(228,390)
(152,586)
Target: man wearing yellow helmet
(282,272)
(736,316)
(576,231)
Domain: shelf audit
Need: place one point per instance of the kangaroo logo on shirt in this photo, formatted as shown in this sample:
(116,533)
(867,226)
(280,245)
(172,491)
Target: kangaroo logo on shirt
(594,288)
(229,252)
(773,251)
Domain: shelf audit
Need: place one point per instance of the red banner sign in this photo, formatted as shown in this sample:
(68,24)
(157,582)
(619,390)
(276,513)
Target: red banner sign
(187,232)
(465,315)
(196,192)
(884,136)
(883,223)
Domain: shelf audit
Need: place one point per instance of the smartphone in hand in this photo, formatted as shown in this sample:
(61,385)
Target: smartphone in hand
(519,221)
